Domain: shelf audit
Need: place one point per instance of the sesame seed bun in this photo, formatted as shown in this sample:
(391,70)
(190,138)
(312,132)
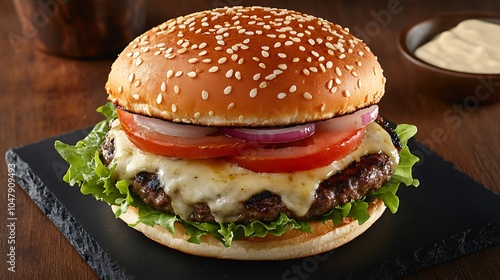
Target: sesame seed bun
(246,66)
(293,244)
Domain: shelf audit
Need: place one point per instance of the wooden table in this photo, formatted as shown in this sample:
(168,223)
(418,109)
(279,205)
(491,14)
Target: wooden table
(43,95)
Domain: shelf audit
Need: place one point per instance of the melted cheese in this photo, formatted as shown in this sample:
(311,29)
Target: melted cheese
(225,186)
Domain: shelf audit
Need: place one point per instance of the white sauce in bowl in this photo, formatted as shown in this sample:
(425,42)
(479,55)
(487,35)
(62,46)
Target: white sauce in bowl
(473,46)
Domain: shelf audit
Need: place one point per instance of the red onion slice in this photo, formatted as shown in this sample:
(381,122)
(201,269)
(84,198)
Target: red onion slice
(356,120)
(172,129)
(269,135)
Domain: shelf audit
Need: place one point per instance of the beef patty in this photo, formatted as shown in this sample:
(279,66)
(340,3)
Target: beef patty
(359,179)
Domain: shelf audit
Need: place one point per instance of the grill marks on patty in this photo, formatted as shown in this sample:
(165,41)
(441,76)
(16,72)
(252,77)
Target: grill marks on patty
(359,179)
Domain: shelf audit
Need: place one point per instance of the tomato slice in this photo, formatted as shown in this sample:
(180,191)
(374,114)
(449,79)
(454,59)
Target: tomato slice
(321,149)
(212,146)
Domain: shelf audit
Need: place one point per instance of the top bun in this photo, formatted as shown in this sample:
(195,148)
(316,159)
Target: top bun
(246,66)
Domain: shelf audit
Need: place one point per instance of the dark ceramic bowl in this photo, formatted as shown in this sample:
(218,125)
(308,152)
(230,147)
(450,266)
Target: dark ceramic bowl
(466,88)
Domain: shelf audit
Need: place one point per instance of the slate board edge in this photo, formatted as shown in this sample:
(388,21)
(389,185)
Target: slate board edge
(75,233)
(469,241)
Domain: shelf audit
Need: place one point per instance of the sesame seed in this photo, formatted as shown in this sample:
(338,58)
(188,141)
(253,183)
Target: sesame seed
(228,90)
(222,60)
(263,84)
(338,71)
(136,96)
(240,61)
(361,53)
(282,66)
(241,118)
(311,41)
(265,53)
(322,68)
(277,45)
(120,89)
(306,72)
(132,75)
(234,57)
(313,69)
(281,95)
(256,77)
(359,83)
(253,93)
(220,42)
(191,74)
(302,48)
(342,56)
(262,65)
(170,73)
(159,98)
(204,94)
(197,115)
(288,43)
(206,60)
(333,90)
(307,95)
(282,55)
(230,106)
(229,73)
(338,81)
(270,77)
(315,53)
(354,73)
(157,52)
(202,53)
(346,93)
(374,70)
(213,69)
(293,88)
(237,75)
(329,84)
(136,54)
(296,59)
(183,50)
(163,86)
(176,89)
(202,45)
(174,108)
(193,60)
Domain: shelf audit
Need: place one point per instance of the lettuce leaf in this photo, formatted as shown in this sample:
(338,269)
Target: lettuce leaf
(94,178)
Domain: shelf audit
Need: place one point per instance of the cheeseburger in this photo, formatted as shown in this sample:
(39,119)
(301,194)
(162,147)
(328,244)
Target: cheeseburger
(245,133)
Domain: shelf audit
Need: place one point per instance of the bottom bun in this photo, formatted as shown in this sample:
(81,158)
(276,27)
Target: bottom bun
(293,244)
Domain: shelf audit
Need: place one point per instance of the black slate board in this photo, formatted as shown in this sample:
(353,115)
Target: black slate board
(447,216)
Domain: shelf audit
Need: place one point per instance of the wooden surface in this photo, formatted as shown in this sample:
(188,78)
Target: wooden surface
(43,95)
